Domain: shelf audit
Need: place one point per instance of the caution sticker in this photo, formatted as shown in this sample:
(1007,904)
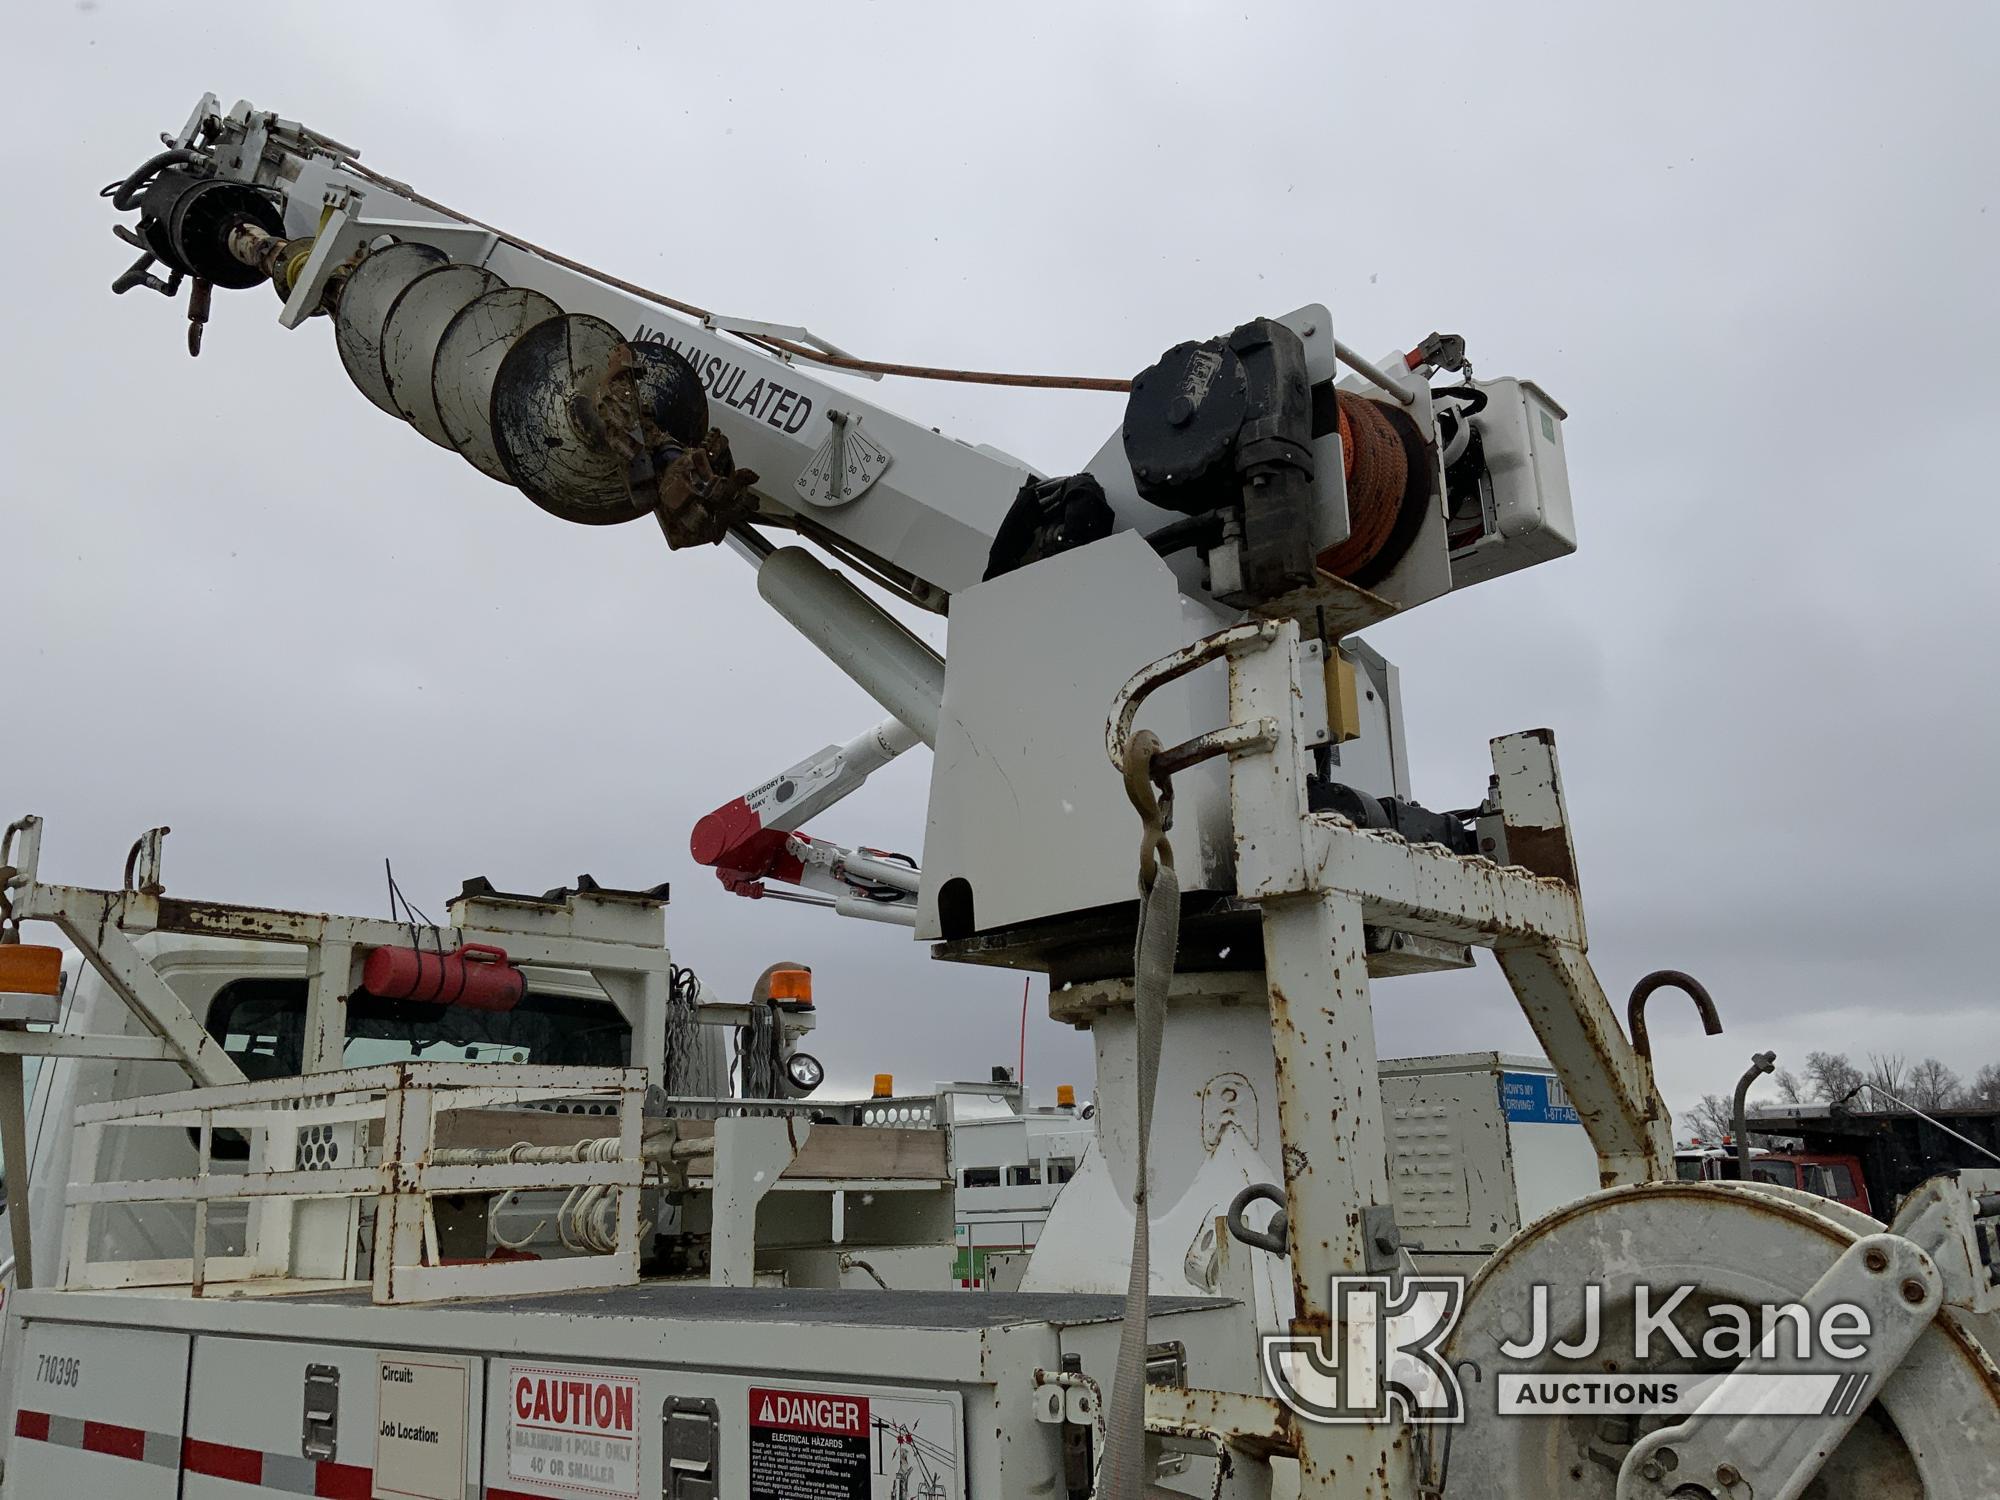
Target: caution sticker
(573,1431)
(829,1445)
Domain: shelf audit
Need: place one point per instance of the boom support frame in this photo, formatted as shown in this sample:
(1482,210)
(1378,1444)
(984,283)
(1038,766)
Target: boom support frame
(1321,884)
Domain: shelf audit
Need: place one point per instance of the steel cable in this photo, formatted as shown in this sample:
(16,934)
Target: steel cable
(770,344)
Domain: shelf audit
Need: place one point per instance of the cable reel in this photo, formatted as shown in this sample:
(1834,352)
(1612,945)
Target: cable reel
(1222,430)
(1930,1428)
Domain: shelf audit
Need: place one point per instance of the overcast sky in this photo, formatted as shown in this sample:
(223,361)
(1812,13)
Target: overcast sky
(1748,247)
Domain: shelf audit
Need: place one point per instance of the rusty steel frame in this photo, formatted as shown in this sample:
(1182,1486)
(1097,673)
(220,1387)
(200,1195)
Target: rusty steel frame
(618,940)
(1323,885)
(632,967)
(407,1101)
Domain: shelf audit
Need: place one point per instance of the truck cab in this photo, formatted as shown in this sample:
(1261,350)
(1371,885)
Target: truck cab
(1820,1173)
(1835,1177)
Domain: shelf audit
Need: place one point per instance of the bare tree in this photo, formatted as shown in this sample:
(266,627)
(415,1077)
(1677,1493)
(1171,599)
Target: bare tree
(1832,1076)
(1933,1085)
(1984,1088)
(1790,1090)
(1888,1078)
(1711,1119)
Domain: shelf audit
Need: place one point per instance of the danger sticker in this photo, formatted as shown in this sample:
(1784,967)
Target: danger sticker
(800,1411)
(806,1445)
(573,1431)
(831,1445)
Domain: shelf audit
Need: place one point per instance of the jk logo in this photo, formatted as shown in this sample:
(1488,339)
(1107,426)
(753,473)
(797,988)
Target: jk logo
(1384,1352)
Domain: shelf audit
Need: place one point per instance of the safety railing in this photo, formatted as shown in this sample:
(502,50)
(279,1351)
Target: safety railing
(904,1111)
(343,1175)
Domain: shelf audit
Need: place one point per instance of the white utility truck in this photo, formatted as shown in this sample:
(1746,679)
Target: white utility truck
(1165,773)
(1010,1162)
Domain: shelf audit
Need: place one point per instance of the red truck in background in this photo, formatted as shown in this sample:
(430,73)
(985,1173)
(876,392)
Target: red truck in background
(1829,1175)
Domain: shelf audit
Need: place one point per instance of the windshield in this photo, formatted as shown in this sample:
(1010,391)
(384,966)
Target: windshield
(261,1023)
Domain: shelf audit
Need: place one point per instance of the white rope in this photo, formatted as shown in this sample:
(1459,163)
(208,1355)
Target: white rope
(587,1221)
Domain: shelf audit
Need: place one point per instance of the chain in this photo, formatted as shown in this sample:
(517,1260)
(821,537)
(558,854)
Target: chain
(1155,808)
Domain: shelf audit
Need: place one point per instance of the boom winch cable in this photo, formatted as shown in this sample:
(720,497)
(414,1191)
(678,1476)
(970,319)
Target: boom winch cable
(769,343)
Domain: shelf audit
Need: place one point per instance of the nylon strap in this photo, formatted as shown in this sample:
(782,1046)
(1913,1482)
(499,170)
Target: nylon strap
(1123,1476)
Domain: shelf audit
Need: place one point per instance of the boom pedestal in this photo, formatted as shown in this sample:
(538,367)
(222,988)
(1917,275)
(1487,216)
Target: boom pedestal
(1293,1044)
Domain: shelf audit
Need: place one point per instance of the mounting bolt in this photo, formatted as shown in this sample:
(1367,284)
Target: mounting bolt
(1876,1260)
(1914,1291)
(1726,1475)
(1650,1470)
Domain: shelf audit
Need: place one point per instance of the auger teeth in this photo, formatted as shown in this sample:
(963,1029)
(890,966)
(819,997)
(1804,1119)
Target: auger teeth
(586,422)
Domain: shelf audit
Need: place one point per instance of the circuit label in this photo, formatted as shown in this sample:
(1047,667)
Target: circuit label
(420,1432)
(575,1431)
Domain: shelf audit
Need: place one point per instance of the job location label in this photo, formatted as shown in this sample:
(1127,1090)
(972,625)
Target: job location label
(420,1432)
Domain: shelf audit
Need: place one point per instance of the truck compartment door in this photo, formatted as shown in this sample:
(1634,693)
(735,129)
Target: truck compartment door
(98,1412)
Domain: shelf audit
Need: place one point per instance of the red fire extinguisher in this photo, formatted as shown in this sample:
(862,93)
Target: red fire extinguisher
(475,975)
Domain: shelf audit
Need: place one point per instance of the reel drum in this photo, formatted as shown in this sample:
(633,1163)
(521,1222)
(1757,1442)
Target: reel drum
(1931,1433)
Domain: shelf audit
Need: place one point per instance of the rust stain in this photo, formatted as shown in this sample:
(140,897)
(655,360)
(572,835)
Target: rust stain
(215,918)
(1544,852)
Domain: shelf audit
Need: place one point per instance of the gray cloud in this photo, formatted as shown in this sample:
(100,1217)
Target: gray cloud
(1750,248)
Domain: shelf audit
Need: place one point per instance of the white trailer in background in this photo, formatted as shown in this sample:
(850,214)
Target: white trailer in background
(1481,1144)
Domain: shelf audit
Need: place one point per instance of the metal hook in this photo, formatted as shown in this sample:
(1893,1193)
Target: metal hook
(1275,1238)
(1661,979)
(142,863)
(1143,773)
(139,274)
(1760,1064)
(1253,635)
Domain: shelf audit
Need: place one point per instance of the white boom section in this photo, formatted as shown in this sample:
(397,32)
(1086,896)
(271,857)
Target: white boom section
(755,837)
(891,665)
(838,770)
(931,510)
